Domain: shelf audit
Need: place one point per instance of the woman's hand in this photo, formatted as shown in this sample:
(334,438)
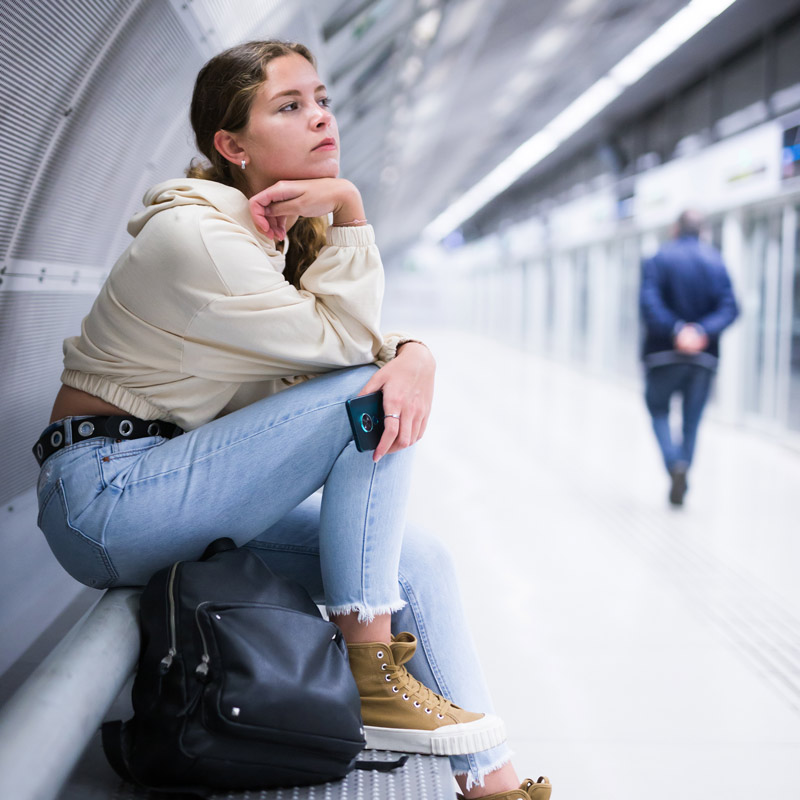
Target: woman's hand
(314,197)
(407,385)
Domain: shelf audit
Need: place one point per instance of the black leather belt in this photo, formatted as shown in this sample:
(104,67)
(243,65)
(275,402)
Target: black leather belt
(118,428)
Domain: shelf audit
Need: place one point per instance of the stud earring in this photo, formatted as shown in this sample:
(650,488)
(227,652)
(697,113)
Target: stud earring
(244,163)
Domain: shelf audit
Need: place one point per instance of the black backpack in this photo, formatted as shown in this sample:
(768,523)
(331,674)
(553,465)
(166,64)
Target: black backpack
(241,684)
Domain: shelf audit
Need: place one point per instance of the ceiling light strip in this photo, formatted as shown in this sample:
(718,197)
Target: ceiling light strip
(675,32)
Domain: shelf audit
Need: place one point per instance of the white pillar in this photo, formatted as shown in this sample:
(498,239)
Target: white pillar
(598,325)
(731,374)
(563,307)
(785,300)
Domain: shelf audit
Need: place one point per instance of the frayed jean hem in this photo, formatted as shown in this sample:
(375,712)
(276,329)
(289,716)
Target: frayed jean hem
(366,613)
(476,775)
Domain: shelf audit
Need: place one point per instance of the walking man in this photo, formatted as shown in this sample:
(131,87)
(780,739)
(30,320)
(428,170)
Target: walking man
(686,302)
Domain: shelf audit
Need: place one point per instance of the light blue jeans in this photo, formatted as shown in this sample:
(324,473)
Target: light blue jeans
(114,512)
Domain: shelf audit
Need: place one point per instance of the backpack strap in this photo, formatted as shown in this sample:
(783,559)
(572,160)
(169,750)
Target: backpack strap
(381,766)
(221,545)
(113,748)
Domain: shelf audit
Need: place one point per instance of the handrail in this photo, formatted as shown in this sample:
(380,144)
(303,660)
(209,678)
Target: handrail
(46,725)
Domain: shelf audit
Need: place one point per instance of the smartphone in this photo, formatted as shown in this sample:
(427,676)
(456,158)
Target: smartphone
(366,420)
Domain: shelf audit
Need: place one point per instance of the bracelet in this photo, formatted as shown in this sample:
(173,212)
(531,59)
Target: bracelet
(348,224)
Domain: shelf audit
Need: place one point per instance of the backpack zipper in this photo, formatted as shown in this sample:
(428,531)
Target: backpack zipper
(201,670)
(166,662)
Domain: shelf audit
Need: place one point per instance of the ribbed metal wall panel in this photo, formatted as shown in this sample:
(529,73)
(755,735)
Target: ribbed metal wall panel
(124,70)
(32,327)
(142,84)
(45,49)
(169,159)
(94,99)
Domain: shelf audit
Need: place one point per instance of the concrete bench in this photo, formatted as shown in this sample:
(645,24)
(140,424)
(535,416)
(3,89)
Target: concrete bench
(48,723)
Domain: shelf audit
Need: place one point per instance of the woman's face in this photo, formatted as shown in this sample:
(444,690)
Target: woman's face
(291,133)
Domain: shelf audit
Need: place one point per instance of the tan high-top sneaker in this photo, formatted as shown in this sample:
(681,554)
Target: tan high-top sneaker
(528,790)
(401,714)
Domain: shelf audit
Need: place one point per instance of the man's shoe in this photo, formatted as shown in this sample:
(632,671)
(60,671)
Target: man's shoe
(528,790)
(401,714)
(678,488)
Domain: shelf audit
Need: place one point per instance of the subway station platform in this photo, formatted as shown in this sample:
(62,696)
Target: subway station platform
(636,651)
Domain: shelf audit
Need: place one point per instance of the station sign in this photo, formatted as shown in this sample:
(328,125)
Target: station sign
(791,153)
(735,172)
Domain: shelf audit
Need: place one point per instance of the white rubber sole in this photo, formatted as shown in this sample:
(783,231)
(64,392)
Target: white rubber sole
(449,740)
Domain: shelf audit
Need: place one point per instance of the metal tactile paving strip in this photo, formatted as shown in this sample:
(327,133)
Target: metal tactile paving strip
(421,778)
(758,623)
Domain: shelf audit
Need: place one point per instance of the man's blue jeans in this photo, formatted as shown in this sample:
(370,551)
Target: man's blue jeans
(114,512)
(693,383)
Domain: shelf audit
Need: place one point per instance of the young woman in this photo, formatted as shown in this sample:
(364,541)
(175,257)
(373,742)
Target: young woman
(239,316)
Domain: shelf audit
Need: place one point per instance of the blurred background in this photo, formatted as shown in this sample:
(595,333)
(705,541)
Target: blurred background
(518,160)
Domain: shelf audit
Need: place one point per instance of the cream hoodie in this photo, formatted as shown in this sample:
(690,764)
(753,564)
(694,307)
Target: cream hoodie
(196,318)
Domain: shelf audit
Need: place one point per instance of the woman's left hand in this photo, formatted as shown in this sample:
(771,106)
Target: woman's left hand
(407,385)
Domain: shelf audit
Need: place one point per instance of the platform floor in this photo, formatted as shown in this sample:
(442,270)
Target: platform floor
(636,651)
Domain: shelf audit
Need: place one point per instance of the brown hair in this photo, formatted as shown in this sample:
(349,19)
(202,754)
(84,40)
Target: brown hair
(223,96)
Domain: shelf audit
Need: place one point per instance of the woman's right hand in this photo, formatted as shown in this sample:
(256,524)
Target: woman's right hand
(314,197)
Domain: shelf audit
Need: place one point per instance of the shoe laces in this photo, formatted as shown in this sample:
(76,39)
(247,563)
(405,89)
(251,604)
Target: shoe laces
(402,652)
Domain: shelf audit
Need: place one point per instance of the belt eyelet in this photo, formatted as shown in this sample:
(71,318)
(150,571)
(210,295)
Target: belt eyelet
(85,428)
(56,438)
(153,429)
(125,428)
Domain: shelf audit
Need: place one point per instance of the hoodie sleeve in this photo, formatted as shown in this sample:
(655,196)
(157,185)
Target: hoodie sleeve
(262,326)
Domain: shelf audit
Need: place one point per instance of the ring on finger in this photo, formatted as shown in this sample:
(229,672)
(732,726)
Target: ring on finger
(394,416)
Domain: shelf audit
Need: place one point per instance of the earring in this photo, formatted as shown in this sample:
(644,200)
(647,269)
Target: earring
(244,163)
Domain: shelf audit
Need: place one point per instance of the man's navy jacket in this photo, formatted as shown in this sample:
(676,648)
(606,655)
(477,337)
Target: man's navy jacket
(686,281)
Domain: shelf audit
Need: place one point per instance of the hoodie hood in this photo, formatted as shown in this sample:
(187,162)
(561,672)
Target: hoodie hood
(197,192)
